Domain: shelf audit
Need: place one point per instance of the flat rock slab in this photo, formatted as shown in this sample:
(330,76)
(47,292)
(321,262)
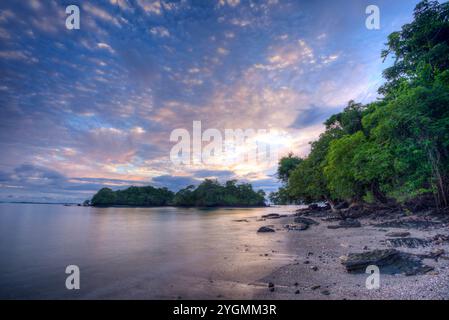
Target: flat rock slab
(273,216)
(348,223)
(306,221)
(398,234)
(407,242)
(265,229)
(389,261)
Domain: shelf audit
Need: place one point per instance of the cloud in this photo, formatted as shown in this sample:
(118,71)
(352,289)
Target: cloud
(173,183)
(160,32)
(105,46)
(312,116)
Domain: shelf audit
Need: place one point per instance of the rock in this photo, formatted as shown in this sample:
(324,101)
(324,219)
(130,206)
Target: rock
(271,289)
(270,284)
(273,216)
(315,287)
(296,284)
(265,229)
(325,292)
(420,203)
(306,221)
(440,238)
(306,262)
(297,292)
(297,227)
(408,224)
(314,268)
(240,220)
(398,234)
(332,218)
(407,242)
(434,254)
(390,261)
(347,223)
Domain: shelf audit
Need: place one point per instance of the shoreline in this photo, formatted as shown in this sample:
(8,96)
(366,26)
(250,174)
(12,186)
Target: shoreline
(317,272)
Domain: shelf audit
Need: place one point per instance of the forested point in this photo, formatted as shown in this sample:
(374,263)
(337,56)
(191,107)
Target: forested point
(396,148)
(210,193)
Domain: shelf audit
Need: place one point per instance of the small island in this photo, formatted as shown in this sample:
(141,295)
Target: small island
(209,193)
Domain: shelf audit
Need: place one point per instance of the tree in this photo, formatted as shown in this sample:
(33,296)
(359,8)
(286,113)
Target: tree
(286,165)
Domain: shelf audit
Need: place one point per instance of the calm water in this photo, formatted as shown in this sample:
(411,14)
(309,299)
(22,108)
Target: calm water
(164,253)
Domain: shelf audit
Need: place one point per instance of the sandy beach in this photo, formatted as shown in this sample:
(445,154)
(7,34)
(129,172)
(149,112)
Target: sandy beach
(317,272)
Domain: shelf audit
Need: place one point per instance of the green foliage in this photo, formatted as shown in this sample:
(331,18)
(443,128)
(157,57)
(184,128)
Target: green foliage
(133,196)
(210,193)
(280,197)
(286,166)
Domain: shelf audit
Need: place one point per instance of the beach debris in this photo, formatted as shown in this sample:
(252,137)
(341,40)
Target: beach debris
(407,242)
(390,261)
(398,234)
(347,223)
(240,220)
(265,229)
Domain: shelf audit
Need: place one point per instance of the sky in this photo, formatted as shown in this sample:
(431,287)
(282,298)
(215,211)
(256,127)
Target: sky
(95,107)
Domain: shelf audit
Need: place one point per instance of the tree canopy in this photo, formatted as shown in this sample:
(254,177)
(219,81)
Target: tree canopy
(210,193)
(394,148)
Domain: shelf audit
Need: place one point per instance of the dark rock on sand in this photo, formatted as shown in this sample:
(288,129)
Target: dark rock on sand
(407,242)
(314,268)
(347,223)
(332,218)
(297,292)
(270,284)
(306,221)
(408,223)
(434,254)
(420,203)
(390,261)
(297,227)
(325,292)
(265,229)
(398,234)
(440,238)
(271,216)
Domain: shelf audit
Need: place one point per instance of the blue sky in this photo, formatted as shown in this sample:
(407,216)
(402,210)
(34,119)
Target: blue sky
(83,109)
